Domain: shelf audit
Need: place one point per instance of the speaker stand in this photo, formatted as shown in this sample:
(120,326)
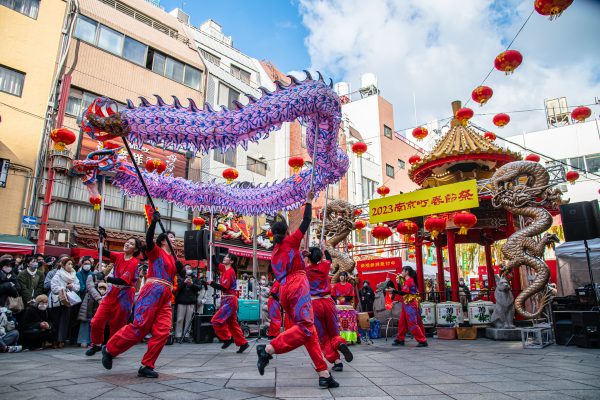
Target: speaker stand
(589,264)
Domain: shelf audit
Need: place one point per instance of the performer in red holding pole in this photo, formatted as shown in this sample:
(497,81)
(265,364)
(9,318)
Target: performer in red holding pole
(225,321)
(115,307)
(294,295)
(274,311)
(152,311)
(343,291)
(410,316)
(326,318)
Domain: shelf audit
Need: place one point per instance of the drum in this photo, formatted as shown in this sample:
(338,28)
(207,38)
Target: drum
(480,312)
(449,314)
(348,323)
(428,313)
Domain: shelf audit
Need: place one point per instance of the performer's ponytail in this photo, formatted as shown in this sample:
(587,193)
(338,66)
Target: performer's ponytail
(411,272)
(279,230)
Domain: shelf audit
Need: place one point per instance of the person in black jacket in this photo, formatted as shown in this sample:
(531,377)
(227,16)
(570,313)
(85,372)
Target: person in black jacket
(185,298)
(9,286)
(367,297)
(36,329)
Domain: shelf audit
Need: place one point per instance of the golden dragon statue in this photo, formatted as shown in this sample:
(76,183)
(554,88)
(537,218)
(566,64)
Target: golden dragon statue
(339,223)
(522,188)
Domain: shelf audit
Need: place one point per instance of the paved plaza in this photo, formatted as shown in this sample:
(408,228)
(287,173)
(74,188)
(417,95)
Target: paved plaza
(463,370)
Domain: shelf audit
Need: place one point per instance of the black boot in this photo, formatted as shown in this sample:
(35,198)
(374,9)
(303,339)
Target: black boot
(93,350)
(243,348)
(147,372)
(263,358)
(422,344)
(328,382)
(397,342)
(227,343)
(343,348)
(106,358)
(338,367)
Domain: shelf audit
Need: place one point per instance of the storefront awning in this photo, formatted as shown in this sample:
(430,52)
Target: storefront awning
(245,252)
(14,244)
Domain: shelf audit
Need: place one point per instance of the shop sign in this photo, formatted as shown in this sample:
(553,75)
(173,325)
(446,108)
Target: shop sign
(442,199)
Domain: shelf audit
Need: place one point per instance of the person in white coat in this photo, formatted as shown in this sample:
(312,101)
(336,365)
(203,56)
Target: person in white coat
(63,294)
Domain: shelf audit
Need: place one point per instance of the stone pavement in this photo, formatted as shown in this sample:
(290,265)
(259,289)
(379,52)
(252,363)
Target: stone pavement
(464,370)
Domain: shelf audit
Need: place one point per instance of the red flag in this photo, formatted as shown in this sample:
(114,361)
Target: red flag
(149,212)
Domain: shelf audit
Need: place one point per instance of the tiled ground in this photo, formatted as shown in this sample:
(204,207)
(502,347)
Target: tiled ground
(462,370)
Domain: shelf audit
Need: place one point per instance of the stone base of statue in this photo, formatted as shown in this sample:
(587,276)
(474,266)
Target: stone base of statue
(513,334)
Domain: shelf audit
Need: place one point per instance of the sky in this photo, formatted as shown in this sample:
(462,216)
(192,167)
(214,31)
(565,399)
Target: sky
(425,53)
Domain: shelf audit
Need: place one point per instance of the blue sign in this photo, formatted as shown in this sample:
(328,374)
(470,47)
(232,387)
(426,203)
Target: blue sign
(30,220)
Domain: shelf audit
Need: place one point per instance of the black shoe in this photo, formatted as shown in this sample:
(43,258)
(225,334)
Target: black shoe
(147,372)
(422,344)
(106,358)
(263,358)
(227,343)
(93,350)
(338,367)
(328,382)
(343,348)
(243,348)
(397,342)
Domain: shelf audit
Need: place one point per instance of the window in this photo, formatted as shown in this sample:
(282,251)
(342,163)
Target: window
(303,136)
(25,7)
(83,215)
(593,162)
(389,170)
(192,77)
(227,158)
(401,164)
(368,188)
(112,219)
(179,228)
(135,203)
(11,81)
(113,196)
(181,213)
(61,186)
(158,63)
(163,207)
(387,131)
(239,73)
(227,95)
(577,162)
(174,70)
(86,29)
(256,166)
(211,57)
(110,40)
(134,223)
(135,51)
(79,101)
(57,211)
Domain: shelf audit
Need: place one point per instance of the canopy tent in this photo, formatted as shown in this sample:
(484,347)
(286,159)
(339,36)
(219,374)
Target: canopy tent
(14,244)
(573,269)
(429,270)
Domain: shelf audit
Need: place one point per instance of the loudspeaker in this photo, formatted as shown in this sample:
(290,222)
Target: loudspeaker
(203,330)
(581,221)
(193,244)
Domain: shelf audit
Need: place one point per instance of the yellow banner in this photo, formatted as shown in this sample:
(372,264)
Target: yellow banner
(452,197)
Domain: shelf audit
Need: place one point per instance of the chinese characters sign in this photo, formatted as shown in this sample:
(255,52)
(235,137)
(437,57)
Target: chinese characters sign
(378,265)
(453,197)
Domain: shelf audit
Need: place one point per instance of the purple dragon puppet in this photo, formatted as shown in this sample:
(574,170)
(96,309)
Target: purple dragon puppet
(311,101)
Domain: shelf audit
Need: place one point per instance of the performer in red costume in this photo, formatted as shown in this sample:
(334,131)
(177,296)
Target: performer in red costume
(410,317)
(225,321)
(152,311)
(115,307)
(274,311)
(294,295)
(343,291)
(326,318)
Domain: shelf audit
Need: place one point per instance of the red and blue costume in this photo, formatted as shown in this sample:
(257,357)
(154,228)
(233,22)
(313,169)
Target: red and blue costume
(225,321)
(326,318)
(294,296)
(116,305)
(274,311)
(152,312)
(410,317)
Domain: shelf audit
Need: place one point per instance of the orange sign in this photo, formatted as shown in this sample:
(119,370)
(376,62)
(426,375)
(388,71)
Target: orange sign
(379,265)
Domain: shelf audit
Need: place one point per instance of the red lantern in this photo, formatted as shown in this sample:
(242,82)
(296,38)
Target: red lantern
(407,228)
(350,246)
(572,176)
(551,8)
(230,174)
(420,133)
(481,94)
(508,61)
(96,201)
(61,138)
(360,225)
(414,159)
(296,163)
(491,136)
(383,191)
(464,115)
(465,220)
(199,223)
(580,114)
(434,225)
(154,164)
(533,157)
(359,148)
(501,120)
(357,212)
(381,232)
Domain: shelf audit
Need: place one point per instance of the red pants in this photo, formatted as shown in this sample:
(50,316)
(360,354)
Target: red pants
(225,321)
(327,324)
(410,318)
(275,316)
(294,296)
(152,314)
(114,309)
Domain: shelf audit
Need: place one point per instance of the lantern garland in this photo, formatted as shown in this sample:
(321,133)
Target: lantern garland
(199,223)
(464,220)
(62,137)
(296,163)
(414,159)
(572,176)
(434,225)
(359,148)
(420,133)
(464,115)
(230,174)
(407,228)
(358,212)
(508,61)
(580,114)
(154,164)
(381,232)
(533,157)
(481,94)
(360,225)
(96,201)
(551,8)
(491,136)
(383,191)
(501,120)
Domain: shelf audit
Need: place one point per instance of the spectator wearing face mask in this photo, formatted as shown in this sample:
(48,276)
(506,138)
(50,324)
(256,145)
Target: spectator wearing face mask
(63,281)
(19,264)
(31,281)
(95,290)
(367,297)
(36,329)
(9,335)
(53,266)
(9,286)
(187,291)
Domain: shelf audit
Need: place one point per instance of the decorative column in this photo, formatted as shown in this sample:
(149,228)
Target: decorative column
(453,264)
(419,262)
(440,274)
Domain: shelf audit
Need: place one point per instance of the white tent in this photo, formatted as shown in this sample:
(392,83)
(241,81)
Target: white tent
(573,269)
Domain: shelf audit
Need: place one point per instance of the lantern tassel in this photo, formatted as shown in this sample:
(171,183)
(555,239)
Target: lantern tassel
(434,234)
(463,230)
(96,207)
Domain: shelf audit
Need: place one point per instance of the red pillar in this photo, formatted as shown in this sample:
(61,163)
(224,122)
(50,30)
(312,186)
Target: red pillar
(489,267)
(419,262)
(453,264)
(440,275)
